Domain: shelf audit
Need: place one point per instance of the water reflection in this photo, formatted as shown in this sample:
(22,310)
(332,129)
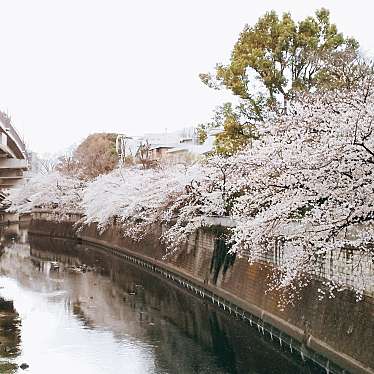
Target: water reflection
(85,311)
(10,323)
(10,336)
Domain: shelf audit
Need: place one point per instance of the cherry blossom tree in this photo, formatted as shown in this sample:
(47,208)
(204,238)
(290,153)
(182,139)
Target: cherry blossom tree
(50,191)
(303,189)
(135,197)
(307,184)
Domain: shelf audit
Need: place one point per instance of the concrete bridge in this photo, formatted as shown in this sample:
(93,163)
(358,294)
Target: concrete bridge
(13,156)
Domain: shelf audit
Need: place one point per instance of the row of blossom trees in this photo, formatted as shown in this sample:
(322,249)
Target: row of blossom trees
(304,186)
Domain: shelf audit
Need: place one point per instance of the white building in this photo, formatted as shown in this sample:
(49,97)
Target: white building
(179,146)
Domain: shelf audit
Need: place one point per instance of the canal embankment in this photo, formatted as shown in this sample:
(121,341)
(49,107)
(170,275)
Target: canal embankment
(335,332)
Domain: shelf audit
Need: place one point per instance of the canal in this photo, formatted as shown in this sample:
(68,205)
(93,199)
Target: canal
(70,308)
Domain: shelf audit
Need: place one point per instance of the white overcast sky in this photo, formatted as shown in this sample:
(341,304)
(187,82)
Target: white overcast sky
(69,68)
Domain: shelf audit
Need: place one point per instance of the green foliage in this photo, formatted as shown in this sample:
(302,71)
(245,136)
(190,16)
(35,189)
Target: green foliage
(283,57)
(271,62)
(235,135)
(346,69)
(237,130)
(202,132)
(8,367)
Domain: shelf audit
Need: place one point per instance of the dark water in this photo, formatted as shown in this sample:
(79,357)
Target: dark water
(66,308)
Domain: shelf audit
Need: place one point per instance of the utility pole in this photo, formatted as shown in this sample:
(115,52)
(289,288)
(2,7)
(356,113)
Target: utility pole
(121,148)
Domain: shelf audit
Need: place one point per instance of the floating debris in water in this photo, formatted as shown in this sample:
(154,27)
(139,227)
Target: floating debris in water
(24,366)
(55,265)
(81,268)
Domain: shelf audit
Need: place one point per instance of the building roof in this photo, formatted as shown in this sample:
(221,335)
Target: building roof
(158,146)
(176,142)
(177,149)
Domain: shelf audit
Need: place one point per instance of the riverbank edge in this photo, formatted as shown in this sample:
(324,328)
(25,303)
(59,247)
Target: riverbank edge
(287,334)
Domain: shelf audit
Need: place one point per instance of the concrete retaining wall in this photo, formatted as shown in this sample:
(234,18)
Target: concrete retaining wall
(339,329)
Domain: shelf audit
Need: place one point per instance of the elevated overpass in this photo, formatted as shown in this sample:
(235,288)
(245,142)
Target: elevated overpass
(13,156)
